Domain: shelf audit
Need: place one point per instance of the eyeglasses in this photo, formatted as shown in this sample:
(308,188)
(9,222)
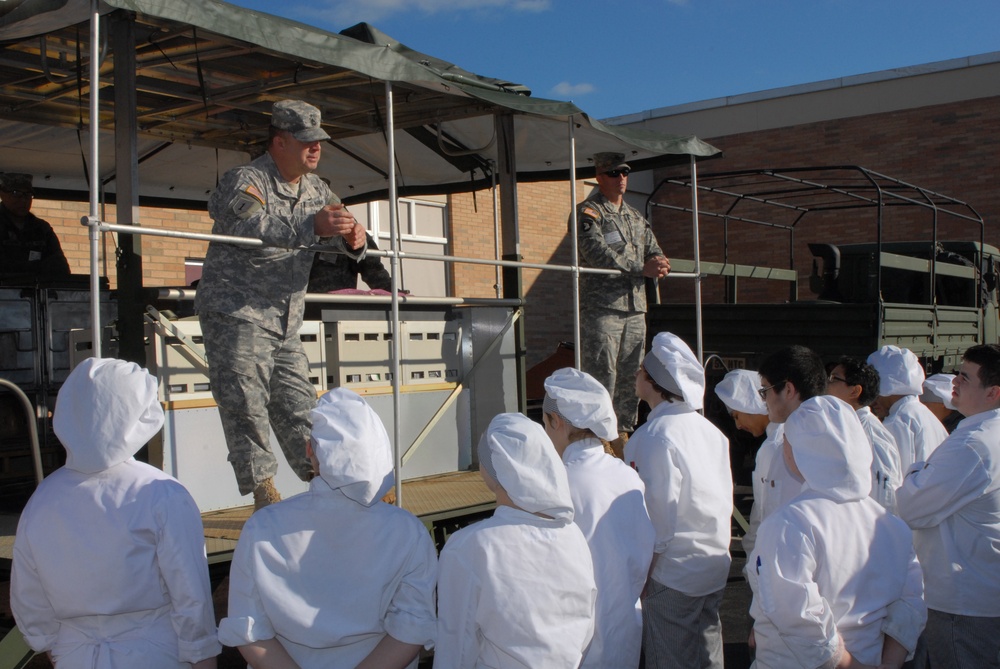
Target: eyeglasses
(21,193)
(763,391)
(834,377)
(614,174)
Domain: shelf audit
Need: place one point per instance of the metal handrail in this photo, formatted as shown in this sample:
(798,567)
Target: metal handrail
(36,450)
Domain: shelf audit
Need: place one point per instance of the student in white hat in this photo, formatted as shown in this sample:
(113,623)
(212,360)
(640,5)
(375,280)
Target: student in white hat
(334,577)
(835,577)
(915,428)
(738,391)
(608,508)
(109,564)
(857,383)
(517,590)
(684,461)
(937,398)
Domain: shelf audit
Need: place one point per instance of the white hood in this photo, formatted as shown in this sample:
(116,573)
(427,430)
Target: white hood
(517,454)
(352,446)
(583,401)
(831,448)
(106,411)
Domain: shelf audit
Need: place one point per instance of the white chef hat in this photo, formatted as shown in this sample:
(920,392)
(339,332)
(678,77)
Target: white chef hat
(937,390)
(738,391)
(582,400)
(899,371)
(517,454)
(675,368)
(106,411)
(352,446)
(831,448)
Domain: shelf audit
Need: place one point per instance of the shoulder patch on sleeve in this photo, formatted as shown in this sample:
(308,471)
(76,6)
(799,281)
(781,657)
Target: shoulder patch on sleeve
(588,211)
(252,190)
(248,202)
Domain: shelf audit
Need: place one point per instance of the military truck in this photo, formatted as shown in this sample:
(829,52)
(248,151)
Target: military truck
(890,263)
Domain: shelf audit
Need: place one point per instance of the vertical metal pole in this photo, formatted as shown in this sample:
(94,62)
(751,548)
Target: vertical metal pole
(697,259)
(131,339)
(494,190)
(574,245)
(513,281)
(95,128)
(397,338)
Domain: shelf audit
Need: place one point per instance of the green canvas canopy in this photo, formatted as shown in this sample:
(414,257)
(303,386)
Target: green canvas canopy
(207,73)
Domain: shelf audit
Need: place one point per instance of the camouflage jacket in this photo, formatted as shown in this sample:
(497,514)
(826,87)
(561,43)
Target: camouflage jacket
(265,286)
(611,238)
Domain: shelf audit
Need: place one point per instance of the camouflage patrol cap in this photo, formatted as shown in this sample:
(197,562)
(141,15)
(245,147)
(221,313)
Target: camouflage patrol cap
(607,161)
(16,181)
(299,118)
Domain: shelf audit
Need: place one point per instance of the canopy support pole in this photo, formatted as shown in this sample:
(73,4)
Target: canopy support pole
(131,345)
(697,259)
(397,343)
(92,231)
(574,247)
(513,280)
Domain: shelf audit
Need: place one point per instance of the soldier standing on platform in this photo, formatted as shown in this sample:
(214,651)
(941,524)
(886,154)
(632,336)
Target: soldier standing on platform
(251,300)
(614,235)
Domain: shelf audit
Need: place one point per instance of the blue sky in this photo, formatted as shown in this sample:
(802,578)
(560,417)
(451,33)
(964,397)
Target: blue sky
(616,58)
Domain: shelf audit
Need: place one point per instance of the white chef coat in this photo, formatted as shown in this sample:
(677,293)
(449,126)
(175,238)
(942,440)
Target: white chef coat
(110,572)
(610,510)
(953,504)
(684,461)
(887,471)
(916,430)
(823,568)
(773,485)
(515,591)
(329,578)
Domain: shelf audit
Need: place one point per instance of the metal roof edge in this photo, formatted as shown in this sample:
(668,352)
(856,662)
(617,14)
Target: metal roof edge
(811,87)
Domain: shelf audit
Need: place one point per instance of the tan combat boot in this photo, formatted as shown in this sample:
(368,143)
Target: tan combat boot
(265,493)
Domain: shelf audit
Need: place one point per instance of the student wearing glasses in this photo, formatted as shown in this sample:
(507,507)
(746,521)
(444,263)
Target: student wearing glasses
(952,502)
(613,235)
(28,246)
(857,383)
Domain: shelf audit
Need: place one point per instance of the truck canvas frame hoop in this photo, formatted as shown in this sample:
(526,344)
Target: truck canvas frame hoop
(873,283)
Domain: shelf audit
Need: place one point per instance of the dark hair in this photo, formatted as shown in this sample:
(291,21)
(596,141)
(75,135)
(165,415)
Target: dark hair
(664,393)
(798,364)
(987,356)
(859,373)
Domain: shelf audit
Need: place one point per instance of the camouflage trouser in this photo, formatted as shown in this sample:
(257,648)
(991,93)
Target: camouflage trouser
(259,380)
(612,344)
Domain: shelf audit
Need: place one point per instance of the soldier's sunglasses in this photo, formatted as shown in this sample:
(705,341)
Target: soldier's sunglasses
(614,174)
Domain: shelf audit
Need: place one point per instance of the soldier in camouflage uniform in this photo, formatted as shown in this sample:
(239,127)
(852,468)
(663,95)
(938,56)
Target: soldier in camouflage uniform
(250,300)
(613,235)
(332,272)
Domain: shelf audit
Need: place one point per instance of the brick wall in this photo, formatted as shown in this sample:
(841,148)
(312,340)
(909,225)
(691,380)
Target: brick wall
(952,149)
(162,257)
(543,210)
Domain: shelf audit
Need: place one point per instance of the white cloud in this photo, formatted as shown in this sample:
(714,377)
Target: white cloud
(349,12)
(568,91)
